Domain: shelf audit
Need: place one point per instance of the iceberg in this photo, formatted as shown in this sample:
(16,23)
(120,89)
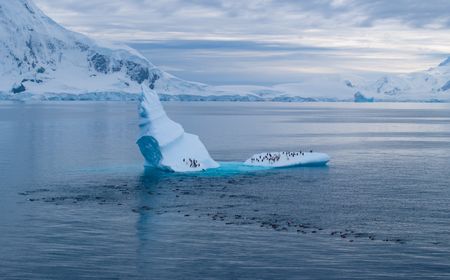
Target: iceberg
(288,159)
(166,146)
(164,143)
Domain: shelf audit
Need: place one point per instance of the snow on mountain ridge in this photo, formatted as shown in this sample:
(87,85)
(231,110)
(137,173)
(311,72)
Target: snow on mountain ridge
(430,85)
(41,57)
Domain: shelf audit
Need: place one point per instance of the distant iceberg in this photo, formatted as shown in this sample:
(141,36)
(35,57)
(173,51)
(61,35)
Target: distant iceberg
(164,143)
(360,98)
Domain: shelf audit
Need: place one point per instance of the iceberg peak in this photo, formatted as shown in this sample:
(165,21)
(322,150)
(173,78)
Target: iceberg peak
(164,143)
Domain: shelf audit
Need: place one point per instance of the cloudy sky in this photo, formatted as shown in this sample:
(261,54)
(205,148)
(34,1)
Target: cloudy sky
(268,41)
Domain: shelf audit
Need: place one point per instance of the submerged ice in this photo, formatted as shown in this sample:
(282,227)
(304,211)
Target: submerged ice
(165,145)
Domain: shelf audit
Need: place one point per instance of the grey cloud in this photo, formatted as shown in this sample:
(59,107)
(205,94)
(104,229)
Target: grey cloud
(224,45)
(417,13)
(244,41)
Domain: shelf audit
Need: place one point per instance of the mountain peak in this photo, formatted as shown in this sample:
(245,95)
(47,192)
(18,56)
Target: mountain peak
(445,62)
(37,55)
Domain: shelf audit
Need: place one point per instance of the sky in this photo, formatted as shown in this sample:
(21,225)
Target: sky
(266,42)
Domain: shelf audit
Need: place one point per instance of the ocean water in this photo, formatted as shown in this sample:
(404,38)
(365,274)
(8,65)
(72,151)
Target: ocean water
(76,202)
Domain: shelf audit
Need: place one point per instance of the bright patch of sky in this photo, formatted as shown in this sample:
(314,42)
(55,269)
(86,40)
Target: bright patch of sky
(268,41)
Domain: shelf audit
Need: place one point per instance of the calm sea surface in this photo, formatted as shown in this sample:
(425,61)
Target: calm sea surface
(76,203)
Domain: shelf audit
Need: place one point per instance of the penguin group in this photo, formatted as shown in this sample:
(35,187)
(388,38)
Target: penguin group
(275,157)
(193,163)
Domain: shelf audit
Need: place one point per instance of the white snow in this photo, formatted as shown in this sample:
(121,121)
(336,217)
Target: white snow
(425,86)
(288,159)
(164,143)
(51,62)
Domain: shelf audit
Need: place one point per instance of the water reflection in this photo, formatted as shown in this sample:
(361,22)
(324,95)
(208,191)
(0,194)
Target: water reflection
(388,179)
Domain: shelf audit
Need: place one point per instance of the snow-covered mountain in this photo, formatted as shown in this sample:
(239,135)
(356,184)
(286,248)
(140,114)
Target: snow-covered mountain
(430,85)
(40,59)
(326,87)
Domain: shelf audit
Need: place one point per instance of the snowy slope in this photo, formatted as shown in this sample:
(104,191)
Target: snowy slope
(430,85)
(313,88)
(38,56)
